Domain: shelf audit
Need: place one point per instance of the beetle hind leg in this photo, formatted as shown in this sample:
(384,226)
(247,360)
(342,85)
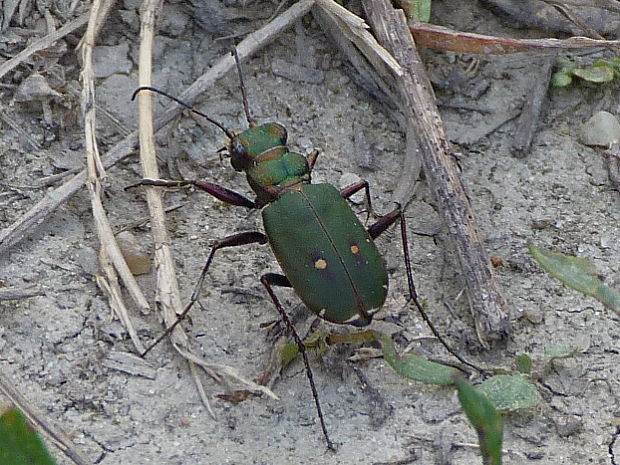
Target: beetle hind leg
(375,231)
(272,279)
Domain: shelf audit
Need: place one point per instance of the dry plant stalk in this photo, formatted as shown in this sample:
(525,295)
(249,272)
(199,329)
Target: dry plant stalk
(168,294)
(442,38)
(337,26)
(355,29)
(418,102)
(43,43)
(110,252)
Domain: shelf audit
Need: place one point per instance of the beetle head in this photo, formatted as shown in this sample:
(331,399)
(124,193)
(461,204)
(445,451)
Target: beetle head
(249,144)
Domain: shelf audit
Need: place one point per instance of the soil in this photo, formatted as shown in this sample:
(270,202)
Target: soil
(68,355)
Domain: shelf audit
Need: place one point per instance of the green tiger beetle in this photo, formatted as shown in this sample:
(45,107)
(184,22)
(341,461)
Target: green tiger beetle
(328,257)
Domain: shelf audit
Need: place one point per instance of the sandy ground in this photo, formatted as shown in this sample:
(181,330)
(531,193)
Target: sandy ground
(62,350)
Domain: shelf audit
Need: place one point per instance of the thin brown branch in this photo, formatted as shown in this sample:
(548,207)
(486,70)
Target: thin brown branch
(441,38)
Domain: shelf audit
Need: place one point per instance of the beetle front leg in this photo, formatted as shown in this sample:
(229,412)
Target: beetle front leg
(375,231)
(244,238)
(222,193)
(273,279)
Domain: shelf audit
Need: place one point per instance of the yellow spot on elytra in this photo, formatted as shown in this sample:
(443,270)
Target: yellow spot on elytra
(320,264)
(355,249)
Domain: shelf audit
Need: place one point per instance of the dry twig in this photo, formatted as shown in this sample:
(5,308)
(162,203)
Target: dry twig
(527,123)
(418,102)
(442,38)
(18,293)
(168,294)
(43,43)
(110,251)
(344,32)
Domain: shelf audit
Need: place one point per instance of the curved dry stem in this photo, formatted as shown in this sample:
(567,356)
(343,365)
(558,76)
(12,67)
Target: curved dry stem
(109,249)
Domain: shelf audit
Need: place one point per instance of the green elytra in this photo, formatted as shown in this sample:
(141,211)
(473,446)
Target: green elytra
(327,255)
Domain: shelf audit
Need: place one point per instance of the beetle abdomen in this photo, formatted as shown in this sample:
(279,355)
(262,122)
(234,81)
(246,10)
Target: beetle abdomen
(326,254)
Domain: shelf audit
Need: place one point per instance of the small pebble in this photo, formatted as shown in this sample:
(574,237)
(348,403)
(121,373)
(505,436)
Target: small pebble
(138,261)
(601,129)
(34,88)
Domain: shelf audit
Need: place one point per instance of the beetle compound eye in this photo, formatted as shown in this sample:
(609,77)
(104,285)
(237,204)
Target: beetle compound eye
(238,154)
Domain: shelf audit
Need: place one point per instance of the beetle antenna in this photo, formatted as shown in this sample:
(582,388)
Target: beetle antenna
(226,131)
(244,92)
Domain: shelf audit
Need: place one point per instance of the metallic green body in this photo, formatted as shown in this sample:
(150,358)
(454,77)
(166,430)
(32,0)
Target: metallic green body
(327,255)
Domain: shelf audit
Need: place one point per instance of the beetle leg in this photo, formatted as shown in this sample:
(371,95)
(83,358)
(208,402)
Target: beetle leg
(244,238)
(219,192)
(385,222)
(375,230)
(224,194)
(276,279)
(348,191)
(273,279)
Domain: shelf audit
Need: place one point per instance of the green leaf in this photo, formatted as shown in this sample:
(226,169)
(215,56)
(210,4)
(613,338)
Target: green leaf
(414,367)
(557,352)
(511,392)
(561,79)
(615,63)
(485,419)
(598,73)
(523,363)
(418,10)
(288,353)
(578,274)
(19,443)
